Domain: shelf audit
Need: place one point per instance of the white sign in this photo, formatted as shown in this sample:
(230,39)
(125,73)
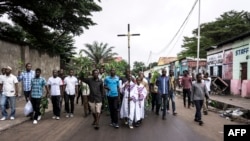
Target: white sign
(215,59)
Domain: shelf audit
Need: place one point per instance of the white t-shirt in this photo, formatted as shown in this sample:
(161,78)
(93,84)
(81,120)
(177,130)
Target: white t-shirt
(1,78)
(71,82)
(208,83)
(9,85)
(55,84)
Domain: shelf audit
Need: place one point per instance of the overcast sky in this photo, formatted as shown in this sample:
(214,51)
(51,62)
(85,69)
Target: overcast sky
(156,21)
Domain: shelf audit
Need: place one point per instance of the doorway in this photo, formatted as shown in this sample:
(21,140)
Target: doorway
(243,71)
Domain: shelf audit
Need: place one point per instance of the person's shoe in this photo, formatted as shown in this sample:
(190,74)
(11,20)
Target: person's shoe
(57,118)
(163,118)
(71,115)
(112,124)
(174,113)
(131,126)
(35,122)
(67,116)
(96,127)
(116,125)
(3,118)
(196,120)
(201,123)
(157,113)
(12,118)
(205,112)
(39,117)
(54,117)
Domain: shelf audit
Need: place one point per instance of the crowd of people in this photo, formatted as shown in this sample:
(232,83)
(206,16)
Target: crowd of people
(124,97)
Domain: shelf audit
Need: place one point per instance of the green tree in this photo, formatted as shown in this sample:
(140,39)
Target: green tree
(151,65)
(120,67)
(137,67)
(99,52)
(81,64)
(48,25)
(228,25)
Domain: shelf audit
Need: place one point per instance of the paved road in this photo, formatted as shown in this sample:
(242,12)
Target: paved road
(175,128)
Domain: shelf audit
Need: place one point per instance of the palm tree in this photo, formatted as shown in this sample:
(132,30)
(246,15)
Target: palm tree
(99,53)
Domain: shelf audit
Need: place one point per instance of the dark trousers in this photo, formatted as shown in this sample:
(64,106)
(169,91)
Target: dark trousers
(161,99)
(78,96)
(36,107)
(198,105)
(69,99)
(186,93)
(56,105)
(113,107)
(153,100)
(164,98)
(27,95)
(171,96)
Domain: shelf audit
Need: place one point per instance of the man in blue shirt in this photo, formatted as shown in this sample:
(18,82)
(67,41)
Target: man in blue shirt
(111,84)
(163,90)
(25,77)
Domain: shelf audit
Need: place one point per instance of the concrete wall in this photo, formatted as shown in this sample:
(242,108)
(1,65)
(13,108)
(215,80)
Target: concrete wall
(16,56)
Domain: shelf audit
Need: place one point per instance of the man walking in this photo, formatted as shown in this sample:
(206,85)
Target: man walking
(111,84)
(186,83)
(207,82)
(95,97)
(55,86)
(71,89)
(9,88)
(37,85)
(25,77)
(163,89)
(199,92)
(172,89)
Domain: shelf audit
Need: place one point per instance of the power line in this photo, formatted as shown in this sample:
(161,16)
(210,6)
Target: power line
(177,31)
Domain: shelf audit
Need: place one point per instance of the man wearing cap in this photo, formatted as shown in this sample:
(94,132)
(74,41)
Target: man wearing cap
(1,78)
(9,87)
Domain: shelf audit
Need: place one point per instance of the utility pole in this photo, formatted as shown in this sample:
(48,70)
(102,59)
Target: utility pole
(198,42)
(128,35)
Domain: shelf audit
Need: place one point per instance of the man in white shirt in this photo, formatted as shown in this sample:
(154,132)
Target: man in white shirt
(55,86)
(207,82)
(9,88)
(71,89)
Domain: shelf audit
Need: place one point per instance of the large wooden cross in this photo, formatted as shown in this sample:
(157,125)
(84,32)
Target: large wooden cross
(128,35)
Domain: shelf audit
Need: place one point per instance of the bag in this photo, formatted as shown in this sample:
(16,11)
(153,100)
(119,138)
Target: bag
(28,108)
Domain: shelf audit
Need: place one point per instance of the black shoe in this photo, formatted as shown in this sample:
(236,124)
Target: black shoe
(196,120)
(174,113)
(157,113)
(96,127)
(116,125)
(163,118)
(201,123)
(205,112)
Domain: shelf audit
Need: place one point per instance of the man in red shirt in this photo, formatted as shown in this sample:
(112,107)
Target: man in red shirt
(186,83)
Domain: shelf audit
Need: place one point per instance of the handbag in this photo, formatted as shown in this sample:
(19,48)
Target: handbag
(28,108)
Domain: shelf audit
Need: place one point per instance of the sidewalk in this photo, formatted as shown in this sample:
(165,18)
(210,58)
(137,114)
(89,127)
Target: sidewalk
(232,100)
(20,117)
